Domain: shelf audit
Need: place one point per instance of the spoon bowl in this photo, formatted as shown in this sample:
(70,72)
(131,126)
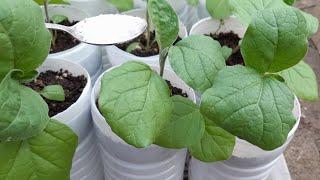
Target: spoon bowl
(108,29)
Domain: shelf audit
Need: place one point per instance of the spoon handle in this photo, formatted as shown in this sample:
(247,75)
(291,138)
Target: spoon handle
(58,27)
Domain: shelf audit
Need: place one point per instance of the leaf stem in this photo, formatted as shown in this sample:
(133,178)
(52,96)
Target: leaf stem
(162,60)
(221,24)
(148,36)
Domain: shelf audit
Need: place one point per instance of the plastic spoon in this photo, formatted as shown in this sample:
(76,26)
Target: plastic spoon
(105,29)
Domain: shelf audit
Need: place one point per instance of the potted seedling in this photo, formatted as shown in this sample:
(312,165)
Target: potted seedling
(32,145)
(65,88)
(144,48)
(128,154)
(257,102)
(66,47)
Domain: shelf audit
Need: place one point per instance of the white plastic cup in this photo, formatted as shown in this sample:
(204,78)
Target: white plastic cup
(209,25)
(248,161)
(117,56)
(123,161)
(78,118)
(88,56)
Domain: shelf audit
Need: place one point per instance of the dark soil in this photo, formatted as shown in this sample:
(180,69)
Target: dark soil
(64,41)
(72,85)
(176,91)
(231,40)
(143,51)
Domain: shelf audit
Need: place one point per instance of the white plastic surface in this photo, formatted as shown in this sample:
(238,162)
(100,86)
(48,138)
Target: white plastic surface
(78,118)
(123,161)
(117,56)
(248,162)
(88,56)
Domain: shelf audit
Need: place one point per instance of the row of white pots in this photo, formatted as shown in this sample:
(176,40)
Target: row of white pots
(105,155)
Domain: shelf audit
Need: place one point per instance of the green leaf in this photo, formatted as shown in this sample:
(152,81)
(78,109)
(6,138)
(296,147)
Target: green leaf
(215,145)
(219,9)
(56,19)
(53,92)
(132,47)
(23,112)
(197,59)
(135,102)
(165,21)
(186,126)
(193,2)
(122,5)
(26,77)
(265,44)
(289,2)
(250,106)
(226,52)
(312,23)
(24,39)
(302,81)
(245,10)
(47,156)
(41,2)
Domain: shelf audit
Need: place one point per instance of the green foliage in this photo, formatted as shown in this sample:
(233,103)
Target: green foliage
(265,44)
(186,125)
(24,39)
(41,2)
(122,5)
(53,92)
(302,81)
(23,112)
(196,59)
(250,106)
(219,9)
(136,103)
(226,52)
(56,19)
(216,144)
(289,2)
(45,156)
(165,21)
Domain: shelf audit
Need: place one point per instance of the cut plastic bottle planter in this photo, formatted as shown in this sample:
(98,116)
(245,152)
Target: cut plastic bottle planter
(123,161)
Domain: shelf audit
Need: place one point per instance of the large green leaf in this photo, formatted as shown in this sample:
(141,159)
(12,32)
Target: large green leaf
(265,46)
(216,144)
(122,5)
(312,23)
(24,39)
(219,9)
(23,112)
(250,106)
(41,2)
(186,126)
(135,102)
(47,156)
(165,21)
(302,81)
(197,59)
(245,10)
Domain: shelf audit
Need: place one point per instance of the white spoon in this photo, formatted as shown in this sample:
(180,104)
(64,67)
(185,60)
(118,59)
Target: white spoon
(105,29)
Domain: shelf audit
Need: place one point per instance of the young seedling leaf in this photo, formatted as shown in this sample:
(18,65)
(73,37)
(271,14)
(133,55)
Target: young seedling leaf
(56,19)
(219,9)
(133,46)
(250,106)
(193,2)
(186,125)
(197,59)
(23,112)
(245,10)
(165,21)
(265,46)
(53,92)
(226,52)
(289,2)
(302,81)
(45,156)
(122,5)
(216,144)
(312,23)
(135,102)
(25,43)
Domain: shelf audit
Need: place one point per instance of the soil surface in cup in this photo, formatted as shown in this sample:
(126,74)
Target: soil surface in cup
(72,85)
(231,40)
(64,41)
(176,91)
(142,50)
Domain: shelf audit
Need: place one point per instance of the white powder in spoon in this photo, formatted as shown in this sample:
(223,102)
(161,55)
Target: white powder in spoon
(110,29)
